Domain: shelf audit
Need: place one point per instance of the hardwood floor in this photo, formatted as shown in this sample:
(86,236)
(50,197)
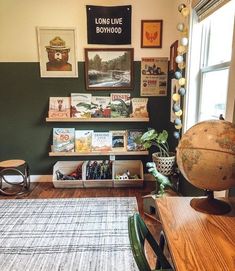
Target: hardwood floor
(47,190)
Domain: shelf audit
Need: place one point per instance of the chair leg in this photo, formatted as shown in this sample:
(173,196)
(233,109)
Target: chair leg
(161,245)
(162,240)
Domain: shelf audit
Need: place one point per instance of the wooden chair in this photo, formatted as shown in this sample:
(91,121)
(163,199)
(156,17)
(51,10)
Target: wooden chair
(138,234)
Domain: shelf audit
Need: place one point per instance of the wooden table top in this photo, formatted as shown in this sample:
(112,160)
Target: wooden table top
(198,241)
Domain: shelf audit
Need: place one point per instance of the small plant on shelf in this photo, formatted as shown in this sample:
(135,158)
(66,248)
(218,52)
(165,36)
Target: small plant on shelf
(164,159)
(153,138)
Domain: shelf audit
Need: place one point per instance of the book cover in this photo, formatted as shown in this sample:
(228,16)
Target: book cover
(132,138)
(101,141)
(139,108)
(59,107)
(119,140)
(83,140)
(63,139)
(80,105)
(100,107)
(120,105)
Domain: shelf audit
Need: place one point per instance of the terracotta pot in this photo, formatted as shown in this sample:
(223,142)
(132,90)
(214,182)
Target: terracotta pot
(165,165)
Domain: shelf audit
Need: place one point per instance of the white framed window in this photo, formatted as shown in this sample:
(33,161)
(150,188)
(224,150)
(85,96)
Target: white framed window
(208,65)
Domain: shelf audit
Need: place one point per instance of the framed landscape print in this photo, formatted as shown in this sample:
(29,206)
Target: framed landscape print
(57,52)
(109,69)
(151,33)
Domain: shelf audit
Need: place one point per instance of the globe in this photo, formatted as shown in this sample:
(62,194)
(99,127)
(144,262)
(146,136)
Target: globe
(206,158)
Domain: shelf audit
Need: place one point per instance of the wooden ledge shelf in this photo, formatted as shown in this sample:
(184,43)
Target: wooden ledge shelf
(97,153)
(97,120)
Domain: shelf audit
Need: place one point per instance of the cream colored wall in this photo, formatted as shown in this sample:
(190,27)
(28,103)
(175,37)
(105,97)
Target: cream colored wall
(19,19)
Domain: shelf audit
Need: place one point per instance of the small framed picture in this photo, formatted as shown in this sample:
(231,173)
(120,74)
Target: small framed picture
(57,52)
(173,55)
(109,69)
(151,33)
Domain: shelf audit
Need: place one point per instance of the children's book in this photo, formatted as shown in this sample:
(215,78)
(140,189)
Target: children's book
(132,140)
(59,107)
(100,107)
(83,140)
(120,105)
(63,139)
(119,140)
(80,105)
(101,141)
(139,108)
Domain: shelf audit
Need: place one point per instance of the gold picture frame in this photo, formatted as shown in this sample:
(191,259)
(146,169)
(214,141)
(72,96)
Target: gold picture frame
(151,33)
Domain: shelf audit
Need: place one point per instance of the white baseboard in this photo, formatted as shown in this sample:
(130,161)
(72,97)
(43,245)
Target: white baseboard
(41,178)
(33,178)
(48,178)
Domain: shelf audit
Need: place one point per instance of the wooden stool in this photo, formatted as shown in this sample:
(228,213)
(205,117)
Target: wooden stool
(17,186)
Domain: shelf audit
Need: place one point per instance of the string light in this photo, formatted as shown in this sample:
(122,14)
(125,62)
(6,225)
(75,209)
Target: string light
(179,74)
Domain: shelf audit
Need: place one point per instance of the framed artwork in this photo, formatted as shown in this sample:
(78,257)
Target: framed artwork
(109,69)
(57,52)
(173,55)
(154,76)
(151,33)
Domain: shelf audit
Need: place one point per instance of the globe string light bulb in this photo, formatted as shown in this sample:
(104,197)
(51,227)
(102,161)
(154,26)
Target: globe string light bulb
(181,50)
(179,113)
(175,97)
(180,60)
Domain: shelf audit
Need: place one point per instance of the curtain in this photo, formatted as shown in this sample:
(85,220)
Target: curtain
(205,8)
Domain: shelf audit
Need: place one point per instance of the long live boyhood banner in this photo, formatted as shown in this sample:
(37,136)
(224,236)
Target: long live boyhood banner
(108,25)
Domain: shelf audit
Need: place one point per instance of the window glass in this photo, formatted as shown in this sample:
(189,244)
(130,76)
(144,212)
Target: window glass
(214,94)
(220,39)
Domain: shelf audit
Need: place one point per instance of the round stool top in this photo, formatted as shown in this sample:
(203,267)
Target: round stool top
(12,163)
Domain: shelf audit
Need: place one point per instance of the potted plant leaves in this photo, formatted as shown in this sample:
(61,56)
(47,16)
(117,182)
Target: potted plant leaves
(164,159)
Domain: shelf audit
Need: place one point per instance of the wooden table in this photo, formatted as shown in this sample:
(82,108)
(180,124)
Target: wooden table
(198,241)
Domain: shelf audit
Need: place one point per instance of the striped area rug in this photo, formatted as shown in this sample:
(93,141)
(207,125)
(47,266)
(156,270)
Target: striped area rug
(87,234)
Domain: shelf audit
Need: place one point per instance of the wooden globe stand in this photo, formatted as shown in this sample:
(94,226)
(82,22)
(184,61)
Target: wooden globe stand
(210,205)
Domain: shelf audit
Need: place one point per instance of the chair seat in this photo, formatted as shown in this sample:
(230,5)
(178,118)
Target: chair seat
(11,163)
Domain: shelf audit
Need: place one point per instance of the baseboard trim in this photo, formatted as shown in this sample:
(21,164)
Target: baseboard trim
(48,178)
(33,178)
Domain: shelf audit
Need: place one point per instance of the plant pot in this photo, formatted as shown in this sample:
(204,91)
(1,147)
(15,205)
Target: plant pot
(165,165)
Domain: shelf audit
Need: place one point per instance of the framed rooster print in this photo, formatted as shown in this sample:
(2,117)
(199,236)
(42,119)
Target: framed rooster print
(151,33)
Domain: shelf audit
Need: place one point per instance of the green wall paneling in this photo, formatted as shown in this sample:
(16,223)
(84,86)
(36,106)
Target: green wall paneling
(25,134)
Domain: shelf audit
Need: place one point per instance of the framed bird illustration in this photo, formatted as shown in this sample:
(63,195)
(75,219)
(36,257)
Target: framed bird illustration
(151,33)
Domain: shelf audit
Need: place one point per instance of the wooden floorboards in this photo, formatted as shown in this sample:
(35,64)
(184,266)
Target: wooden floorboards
(46,190)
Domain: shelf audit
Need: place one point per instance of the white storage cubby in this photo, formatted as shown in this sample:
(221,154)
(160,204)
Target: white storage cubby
(135,167)
(66,167)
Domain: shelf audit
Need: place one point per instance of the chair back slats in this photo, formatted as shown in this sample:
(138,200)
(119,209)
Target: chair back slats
(138,234)
(137,247)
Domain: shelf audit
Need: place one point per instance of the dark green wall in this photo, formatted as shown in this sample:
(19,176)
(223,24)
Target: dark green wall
(23,109)
(25,134)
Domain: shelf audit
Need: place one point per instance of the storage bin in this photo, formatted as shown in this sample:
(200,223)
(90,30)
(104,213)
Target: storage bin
(135,167)
(66,167)
(95,183)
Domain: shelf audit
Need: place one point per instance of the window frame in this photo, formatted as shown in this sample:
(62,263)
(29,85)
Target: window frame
(193,101)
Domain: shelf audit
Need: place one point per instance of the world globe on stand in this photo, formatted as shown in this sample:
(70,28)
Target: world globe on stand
(206,158)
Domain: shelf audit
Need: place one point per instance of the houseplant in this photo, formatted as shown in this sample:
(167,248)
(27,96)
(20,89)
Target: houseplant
(164,159)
